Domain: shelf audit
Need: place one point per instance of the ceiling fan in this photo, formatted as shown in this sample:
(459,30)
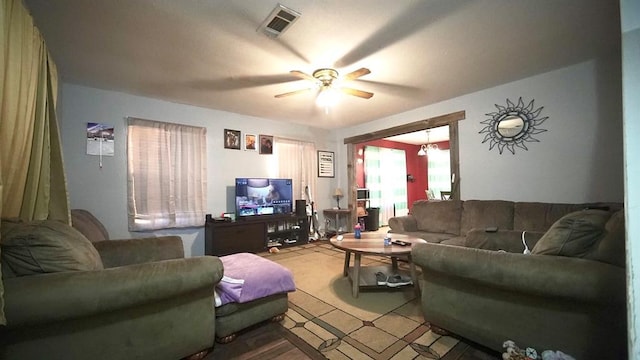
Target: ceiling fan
(325,81)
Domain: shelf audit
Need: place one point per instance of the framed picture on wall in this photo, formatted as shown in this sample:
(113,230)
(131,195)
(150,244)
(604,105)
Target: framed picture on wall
(326,164)
(250,142)
(100,139)
(266,144)
(232,139)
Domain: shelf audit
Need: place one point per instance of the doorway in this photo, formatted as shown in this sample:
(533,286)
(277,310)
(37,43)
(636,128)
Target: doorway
(449,120)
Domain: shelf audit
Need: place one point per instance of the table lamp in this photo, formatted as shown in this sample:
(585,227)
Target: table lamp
(338,194)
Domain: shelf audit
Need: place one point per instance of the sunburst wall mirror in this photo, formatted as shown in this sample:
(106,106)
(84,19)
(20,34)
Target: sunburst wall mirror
(513,125)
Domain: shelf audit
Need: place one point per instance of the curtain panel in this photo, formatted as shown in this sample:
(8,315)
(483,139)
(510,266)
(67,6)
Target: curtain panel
(32,170)
(386,178)
(297,161)
(32,178)
(166,174)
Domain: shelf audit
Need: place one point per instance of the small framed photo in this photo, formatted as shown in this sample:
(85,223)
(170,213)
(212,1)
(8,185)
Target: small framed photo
(266,144)
(326,164)
(232,139)
(100,139)
(250,142)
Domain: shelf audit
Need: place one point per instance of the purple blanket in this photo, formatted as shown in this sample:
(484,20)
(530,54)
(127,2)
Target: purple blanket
(248,277)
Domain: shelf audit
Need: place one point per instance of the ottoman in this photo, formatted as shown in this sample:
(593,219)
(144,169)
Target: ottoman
(252,290)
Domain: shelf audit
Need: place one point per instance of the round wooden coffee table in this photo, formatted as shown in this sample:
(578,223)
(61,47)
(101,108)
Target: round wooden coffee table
(363,277)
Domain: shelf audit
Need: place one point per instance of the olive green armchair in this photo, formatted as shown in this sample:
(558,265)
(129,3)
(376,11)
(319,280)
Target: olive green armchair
(68,298)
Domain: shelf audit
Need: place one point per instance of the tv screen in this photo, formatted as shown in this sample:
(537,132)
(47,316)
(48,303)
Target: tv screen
(263,196)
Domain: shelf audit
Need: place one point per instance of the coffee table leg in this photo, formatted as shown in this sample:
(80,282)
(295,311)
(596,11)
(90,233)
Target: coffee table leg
(414,277)
(356,276)
(394,263)
(347,259)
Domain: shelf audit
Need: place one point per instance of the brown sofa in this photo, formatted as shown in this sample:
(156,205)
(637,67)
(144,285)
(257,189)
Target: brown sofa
(448,222)
(569,294)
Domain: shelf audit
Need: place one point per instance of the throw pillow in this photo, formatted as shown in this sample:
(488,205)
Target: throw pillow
(574,234)
(47,246)
(611,247)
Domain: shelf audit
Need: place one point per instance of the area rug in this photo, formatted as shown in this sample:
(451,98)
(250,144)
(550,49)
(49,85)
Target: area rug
(380,324)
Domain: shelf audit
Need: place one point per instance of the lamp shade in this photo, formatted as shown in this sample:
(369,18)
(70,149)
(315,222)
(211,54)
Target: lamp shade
(338,192)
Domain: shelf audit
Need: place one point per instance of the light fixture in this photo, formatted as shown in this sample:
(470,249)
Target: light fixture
(427,148)
(328,94)
(327,97)
(338,194)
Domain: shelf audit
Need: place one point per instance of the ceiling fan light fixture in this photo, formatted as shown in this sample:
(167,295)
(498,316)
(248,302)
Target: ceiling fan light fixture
(327,97)
(325,76)
(329,85)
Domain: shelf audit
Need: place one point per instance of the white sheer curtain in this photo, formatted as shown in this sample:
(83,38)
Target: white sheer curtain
(167,175)
(439,172)
(386,178)
(297,161)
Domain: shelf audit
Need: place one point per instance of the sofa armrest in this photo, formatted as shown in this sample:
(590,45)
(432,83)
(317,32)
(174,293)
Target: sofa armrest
(400,224)
(42,299)
(534,275)
(136,251)
(507,240)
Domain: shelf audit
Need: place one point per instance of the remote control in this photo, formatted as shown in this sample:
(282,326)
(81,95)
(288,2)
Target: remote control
(400,242)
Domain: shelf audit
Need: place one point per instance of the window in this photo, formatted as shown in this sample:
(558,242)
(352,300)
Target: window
(439,172)
(297,161)
(167,175)
(385,177)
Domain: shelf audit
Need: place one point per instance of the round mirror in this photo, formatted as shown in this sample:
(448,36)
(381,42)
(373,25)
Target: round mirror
(510,126)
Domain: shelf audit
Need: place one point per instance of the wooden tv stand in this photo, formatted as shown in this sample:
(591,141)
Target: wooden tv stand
(254,234)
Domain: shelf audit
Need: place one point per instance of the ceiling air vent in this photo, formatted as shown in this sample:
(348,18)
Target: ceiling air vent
(280,19)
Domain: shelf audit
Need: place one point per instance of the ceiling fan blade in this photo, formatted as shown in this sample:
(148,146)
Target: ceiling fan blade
(292,93)
(356,74)
(358,93)
(302,75)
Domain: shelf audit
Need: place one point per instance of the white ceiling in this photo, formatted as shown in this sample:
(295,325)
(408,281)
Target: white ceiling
(420,137)
(208,52)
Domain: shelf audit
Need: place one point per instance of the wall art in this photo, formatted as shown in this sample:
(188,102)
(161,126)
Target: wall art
(266,144)
(232,139)
(100,139)
(512,126)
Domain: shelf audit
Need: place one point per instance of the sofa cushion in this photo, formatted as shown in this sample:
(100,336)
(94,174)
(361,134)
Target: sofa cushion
(574,235)
(46,246)
(611,247)
(456,240)
(536,216)
(480,214)
(438,216)
(429,236)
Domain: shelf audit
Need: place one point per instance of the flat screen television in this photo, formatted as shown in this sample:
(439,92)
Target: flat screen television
(263,196)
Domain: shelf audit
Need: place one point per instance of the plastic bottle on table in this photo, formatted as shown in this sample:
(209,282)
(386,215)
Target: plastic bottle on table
(387,239)
(357,231)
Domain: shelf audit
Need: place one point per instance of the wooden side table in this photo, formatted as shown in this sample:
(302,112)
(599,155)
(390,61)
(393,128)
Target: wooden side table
(336,214)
